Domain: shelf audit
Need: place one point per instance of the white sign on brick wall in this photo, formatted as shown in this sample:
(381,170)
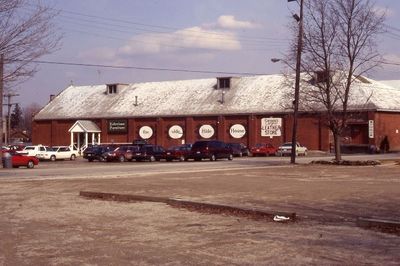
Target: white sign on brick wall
(371,129)
(271,127)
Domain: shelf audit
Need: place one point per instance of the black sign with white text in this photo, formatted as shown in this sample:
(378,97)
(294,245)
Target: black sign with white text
(117,126)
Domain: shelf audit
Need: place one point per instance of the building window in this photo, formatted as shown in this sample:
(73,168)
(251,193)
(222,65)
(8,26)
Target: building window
(224,83)
(112,88)
(321,76)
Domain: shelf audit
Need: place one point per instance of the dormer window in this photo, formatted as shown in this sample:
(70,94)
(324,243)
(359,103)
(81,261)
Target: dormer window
(112,88)
(224,83)
(321,76)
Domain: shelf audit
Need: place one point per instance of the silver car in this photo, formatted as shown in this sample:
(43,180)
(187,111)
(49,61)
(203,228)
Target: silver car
(286,149)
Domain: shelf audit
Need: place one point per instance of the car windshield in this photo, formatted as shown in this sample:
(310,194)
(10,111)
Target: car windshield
(200,144)
(134,148)
(94,149)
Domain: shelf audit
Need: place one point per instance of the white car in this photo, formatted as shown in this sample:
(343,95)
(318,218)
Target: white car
(60,153)
(35,150)
(286,149)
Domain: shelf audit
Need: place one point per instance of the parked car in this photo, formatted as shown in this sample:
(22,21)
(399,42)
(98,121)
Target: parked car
(210,149)
(122,154)
(35,150)
(181,153)
(18,159)
(95,152)
(60,153)
(16,147)
(286,149)
(239,149)
(263,149)
(150,153)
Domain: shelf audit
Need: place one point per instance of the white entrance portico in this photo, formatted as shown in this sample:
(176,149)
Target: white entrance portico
(86,132)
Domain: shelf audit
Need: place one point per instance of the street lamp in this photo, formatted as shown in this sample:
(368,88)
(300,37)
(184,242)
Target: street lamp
(297,83)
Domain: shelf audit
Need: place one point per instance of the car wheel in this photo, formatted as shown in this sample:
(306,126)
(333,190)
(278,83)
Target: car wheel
(230,157)
(152,159)
(182,158)
(305,153)
(121,158)
(169,160)
(90,160)
(73,157)
(31,164)
(213,158)
(53,158)
(102,159)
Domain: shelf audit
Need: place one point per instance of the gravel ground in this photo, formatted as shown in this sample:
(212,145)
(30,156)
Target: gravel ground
(45,222)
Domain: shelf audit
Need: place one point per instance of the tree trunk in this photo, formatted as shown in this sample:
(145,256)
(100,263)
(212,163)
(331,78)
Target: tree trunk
(338,152)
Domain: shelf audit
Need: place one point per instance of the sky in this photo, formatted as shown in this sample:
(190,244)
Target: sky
(207,38)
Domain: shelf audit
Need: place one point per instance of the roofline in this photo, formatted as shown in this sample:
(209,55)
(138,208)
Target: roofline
(210,115)
(388,110)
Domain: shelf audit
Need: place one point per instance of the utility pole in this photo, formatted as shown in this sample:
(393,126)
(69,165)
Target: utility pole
(9,105)
(297,84)
(1,102)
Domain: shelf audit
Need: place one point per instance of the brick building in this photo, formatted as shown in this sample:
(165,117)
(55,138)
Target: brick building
(249,110)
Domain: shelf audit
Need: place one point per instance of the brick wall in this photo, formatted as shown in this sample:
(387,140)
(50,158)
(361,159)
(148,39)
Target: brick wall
(312,131)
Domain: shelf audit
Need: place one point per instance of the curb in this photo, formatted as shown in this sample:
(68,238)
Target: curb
(256,214)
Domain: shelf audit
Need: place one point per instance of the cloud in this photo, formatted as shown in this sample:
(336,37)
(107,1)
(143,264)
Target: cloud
(204,39)
(229,22)
(380,11)
(189,38)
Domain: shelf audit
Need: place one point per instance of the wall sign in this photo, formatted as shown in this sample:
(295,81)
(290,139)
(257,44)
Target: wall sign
(371,129)
(175,132)
(206,131)
(145,132)
(271,127)
(237,131)
(118,126)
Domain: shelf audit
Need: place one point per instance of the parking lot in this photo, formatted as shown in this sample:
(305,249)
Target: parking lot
(44,221)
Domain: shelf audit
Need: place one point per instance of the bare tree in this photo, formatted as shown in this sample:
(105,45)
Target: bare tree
(26,33)
(339,46)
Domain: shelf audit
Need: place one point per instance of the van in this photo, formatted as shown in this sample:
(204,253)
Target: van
(210,149)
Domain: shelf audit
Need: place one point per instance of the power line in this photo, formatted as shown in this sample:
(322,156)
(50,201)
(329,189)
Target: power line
(152,25)
(142,68)
(165,69)
(165,44)
(198,36)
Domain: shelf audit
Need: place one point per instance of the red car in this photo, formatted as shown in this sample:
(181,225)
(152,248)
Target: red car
(180,153)
(19,159)
(263,149)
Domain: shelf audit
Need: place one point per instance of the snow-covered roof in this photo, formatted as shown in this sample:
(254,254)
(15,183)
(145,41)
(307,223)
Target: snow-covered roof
(247,95)
(391,83)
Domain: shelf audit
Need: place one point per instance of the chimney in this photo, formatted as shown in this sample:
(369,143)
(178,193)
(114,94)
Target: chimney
(52,96)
